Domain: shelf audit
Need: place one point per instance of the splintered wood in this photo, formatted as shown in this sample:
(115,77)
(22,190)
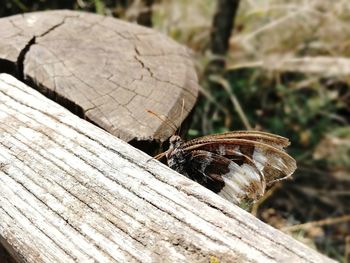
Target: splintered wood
(71,192)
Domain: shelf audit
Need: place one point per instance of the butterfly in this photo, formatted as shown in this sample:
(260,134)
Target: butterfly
(237,165)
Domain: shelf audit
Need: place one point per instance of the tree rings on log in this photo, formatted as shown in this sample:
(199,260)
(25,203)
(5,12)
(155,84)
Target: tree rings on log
(106,70)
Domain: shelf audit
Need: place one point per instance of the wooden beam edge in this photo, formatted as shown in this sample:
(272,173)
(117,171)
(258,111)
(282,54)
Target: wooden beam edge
(70,191)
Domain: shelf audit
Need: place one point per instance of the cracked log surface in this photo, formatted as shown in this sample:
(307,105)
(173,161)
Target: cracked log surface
(102,68)
(70,191)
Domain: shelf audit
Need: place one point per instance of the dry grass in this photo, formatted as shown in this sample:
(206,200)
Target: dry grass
(287,72)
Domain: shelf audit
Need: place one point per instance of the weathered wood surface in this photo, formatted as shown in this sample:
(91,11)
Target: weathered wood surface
(70,191)
(105,69)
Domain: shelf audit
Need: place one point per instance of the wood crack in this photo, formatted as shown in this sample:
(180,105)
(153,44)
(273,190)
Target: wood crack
(21,58)
(22,55)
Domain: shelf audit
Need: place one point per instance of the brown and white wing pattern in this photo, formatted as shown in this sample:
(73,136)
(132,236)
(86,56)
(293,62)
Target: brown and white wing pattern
(235,181)
(236,165)
(271,159)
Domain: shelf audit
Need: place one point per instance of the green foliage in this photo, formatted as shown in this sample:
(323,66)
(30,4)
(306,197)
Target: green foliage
(99,7)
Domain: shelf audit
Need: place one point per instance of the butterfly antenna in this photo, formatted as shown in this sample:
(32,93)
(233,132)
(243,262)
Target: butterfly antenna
(157,157)
(165,120)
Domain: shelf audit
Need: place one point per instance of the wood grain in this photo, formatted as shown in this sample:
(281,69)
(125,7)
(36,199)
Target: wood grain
(71,192)
(104,69)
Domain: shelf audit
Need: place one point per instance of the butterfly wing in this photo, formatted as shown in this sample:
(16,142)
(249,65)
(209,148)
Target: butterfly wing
(264,137)
(237,165)
(233,180)
(267,151)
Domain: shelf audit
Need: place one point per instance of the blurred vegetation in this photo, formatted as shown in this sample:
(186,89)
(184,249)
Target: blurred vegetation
(287,72)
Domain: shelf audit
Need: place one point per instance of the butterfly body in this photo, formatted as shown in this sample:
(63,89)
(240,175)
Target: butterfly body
(237,165)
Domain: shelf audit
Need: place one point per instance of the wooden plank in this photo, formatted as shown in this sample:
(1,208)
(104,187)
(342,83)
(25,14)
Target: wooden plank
(71,192)
(102,68)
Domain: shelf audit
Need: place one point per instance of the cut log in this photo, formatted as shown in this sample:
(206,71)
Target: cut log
(102,68)
(71,192)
